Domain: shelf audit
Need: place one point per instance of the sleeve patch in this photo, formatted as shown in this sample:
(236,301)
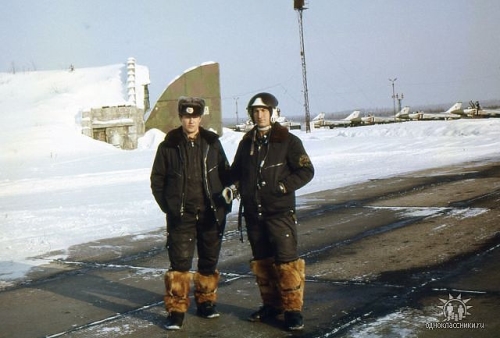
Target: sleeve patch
(304,161)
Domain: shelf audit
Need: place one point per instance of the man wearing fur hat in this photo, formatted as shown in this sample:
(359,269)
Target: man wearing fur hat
(189,173)
(269,166)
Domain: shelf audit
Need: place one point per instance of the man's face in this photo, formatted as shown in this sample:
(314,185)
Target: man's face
(190,124)
(261,116)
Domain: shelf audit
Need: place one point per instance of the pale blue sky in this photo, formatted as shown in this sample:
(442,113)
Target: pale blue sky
(440,51)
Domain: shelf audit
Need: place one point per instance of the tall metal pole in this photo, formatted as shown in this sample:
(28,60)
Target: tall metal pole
(236,101)
(299,6)
(393,97)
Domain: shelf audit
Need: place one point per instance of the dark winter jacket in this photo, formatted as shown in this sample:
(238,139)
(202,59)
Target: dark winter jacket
(168,176)
(260,170)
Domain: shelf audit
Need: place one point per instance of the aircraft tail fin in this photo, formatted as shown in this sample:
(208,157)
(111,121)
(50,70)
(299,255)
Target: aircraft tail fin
(456,108)
(354,115)
(405,111)
(319,117)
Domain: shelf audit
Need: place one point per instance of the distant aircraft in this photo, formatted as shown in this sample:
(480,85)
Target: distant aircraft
(475,110)
(454,112)
(403,114)
(353,119)
(288,123)
(372,119)
(245,126)
(400,116)
(248,124)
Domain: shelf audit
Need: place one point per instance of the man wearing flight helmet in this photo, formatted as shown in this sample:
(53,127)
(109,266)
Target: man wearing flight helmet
(269,166)
(188,175)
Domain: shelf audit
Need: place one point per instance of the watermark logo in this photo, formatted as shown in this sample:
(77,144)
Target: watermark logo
(453,312)
(454,309)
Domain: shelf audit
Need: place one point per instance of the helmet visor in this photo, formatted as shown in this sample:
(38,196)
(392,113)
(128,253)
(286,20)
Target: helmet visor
(263,100)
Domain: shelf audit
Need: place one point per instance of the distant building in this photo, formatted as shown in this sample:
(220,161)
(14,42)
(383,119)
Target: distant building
(121,125)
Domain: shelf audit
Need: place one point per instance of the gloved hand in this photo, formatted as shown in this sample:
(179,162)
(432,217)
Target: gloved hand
(230,193)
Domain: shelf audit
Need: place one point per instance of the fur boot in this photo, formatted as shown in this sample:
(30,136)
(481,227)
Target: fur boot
(205,287)
(267,280)
(291,278)
(177,285)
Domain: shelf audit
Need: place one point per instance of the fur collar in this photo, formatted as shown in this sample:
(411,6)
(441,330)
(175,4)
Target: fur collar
(176,136)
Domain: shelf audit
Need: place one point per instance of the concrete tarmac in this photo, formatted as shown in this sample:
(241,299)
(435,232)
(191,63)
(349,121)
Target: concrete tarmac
(417,255)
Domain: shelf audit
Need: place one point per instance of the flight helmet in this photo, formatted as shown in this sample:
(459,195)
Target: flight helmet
(264,100)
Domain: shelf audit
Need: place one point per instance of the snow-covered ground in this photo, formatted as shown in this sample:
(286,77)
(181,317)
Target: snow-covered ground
(59,188)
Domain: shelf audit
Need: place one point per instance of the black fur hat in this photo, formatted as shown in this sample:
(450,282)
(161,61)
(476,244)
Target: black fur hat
(191,106)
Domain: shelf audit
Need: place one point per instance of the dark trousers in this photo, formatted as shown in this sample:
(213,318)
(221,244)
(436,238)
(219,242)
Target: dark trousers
(192,229)
(273,237)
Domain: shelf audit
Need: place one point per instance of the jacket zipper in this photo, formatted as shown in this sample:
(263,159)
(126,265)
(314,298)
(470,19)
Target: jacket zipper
(205,179)
(183,180)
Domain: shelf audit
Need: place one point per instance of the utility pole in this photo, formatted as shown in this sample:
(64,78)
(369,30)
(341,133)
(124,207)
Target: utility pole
(298,5)
(236,101)
(393,97)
